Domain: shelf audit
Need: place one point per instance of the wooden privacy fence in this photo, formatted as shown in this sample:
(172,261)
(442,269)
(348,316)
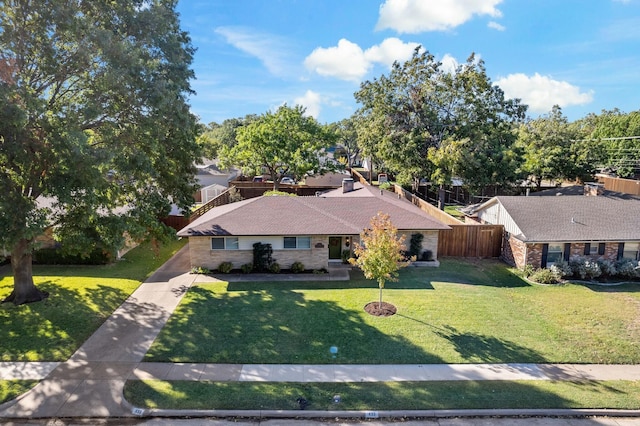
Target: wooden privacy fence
(462,240)
(626,186)
(470,241)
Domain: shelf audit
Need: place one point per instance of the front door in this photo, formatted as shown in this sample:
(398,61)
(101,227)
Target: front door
(335,248)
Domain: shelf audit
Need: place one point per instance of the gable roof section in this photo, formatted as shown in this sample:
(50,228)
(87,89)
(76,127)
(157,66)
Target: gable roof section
(569,219)
(281,215)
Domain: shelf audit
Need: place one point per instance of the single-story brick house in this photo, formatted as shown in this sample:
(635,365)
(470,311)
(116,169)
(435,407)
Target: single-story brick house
(541,230)
(312,230)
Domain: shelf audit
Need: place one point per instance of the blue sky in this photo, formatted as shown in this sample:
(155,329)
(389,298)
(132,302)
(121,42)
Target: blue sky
(254,55)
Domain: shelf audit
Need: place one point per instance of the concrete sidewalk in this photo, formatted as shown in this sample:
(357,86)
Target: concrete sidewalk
(90,384)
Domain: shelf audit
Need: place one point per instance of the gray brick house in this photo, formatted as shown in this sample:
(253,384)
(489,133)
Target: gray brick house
(540,230)
(312,230)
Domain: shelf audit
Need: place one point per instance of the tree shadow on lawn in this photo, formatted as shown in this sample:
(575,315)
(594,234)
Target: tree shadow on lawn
(52,330)
(464,394)
(478,348)
(276,326)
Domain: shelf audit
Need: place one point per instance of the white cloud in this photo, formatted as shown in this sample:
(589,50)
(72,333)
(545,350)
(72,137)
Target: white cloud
(347,60)
(390,50)
(269,49)
(311,101)
(541,93)
(416,16)
(496,26)
(449,63)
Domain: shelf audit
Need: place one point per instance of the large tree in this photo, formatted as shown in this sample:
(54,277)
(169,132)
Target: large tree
(421,107)
(347,138)
(96,137)
(550,149)
(285,142)
(218,139)
(617,137)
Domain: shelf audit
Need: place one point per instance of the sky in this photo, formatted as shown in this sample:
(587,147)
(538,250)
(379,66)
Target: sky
(256,55)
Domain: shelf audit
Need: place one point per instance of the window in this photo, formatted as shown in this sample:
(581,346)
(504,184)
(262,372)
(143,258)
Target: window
(631,251)
(592,249)
(224,243)
(297,242)
(554,254)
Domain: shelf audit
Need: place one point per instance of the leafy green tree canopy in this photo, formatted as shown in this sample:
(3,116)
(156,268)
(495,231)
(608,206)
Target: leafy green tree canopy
(551,150)
(217,139)
(421,107)
(94,121)
(617,136)
(283,143)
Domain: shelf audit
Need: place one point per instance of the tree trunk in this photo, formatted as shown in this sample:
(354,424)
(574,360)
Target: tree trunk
(441,197)
(381,286)
(24,291)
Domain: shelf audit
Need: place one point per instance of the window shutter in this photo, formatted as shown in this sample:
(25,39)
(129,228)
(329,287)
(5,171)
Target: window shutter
(587,249)
(567,251)
(545,253)
(601,249)
(620,251)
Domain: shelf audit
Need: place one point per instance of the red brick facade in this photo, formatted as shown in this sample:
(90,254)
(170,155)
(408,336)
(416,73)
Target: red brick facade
(518,253)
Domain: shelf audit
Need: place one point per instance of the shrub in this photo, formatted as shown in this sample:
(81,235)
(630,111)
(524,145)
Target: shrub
(297,267)
(246,268)
(415,244)
(592,269)
(562,268)
(626,268)
(225,267)
(346,254)
(262,256)
(585,268)
(385,185)
(427,256)
(200,270)
(578,266)
(56,256)
(528,270)
(607,267)
(544,276)
(274,268)
(320,271)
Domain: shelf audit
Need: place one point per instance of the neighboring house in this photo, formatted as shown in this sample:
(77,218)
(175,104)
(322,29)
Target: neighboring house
(213,180)
(540,230)
(312,230)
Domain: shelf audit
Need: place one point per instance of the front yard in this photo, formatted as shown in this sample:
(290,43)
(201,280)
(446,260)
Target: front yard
(462,312)
(81,298)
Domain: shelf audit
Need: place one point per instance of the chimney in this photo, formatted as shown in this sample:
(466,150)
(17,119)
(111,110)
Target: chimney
(347,185)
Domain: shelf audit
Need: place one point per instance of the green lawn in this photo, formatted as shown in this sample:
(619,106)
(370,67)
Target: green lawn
(462,312)
(10,389)
(81,298)
(384,396)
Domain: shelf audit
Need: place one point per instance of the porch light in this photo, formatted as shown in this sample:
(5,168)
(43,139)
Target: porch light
(347,241)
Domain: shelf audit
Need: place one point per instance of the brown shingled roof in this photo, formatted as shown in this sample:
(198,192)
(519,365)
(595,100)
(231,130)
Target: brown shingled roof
(281,215)
(574,218)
